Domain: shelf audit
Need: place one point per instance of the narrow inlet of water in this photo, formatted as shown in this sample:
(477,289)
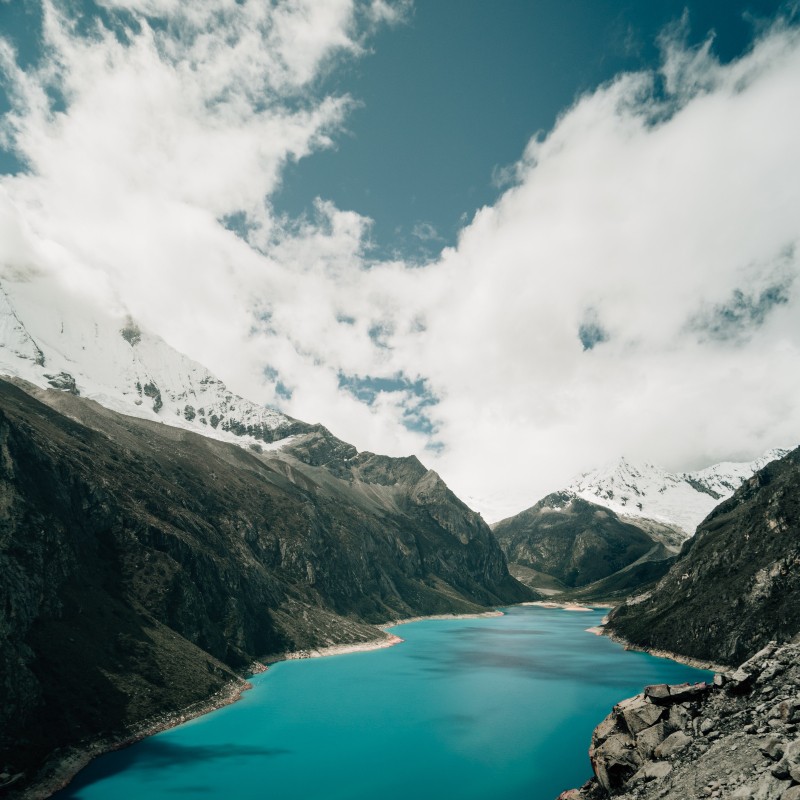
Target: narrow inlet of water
(494,708)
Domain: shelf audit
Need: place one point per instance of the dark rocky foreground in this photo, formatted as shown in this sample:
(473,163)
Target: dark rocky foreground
(735,738)
(143,568)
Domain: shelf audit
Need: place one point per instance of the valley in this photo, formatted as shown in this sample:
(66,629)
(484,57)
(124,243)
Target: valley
(164,539)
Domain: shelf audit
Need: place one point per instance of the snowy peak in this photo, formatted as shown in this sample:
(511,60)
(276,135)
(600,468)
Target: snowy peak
(725,478)
(678,499)
(52,341)
(15,341)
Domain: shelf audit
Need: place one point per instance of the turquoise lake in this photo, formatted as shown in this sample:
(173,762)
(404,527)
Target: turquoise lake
(494,708)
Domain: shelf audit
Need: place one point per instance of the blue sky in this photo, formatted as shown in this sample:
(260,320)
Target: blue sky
(456,92)
(518,239)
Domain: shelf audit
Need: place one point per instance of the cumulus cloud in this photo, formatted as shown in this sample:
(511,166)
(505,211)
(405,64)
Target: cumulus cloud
(632,291)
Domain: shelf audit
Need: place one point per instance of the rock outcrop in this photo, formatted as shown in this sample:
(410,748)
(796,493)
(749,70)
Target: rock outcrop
(735,738)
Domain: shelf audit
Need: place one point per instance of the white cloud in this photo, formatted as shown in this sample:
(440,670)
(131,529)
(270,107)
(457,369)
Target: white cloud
(640,213)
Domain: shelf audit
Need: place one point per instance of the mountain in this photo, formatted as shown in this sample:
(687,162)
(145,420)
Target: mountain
(145,566)
(680,500)
(575,541)
(616,530)
(736,584)
(54,340)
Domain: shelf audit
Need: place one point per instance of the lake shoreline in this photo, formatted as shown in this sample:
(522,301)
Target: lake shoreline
(59,771)
(696,663)
(62,769)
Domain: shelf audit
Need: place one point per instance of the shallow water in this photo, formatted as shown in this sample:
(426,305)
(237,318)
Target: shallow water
(491,708)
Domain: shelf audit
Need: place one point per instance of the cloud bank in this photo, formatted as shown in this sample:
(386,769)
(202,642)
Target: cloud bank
(634,290)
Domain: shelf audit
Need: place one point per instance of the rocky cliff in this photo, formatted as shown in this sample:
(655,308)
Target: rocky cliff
(735,738)
(145,566)
(735,585)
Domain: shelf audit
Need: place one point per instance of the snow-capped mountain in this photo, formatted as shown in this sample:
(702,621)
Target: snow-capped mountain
(678,499)
(52,341)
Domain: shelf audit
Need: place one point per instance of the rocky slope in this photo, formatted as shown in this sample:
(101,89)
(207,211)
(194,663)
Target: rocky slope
(144,566)
(578,542)
(736,583)
(733,588)
(734,738)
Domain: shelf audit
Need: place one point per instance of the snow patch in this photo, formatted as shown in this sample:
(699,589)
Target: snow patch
(55,340)
(678,499)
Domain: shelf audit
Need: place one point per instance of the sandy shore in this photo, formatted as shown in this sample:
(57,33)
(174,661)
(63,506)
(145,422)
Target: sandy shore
(389,640)
(476,615)
(552,604)
(697,663)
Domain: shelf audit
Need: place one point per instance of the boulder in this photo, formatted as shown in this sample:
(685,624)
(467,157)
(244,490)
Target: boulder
(649,739)
(741,681)
(658,692)
(688,691)
(639,714)
(672,745)
(706,726)
(786,711)
(679,717)
(615,761)
(770,788)
(792,793)
(605,729)
(651,772)
(792,758)
(773,748)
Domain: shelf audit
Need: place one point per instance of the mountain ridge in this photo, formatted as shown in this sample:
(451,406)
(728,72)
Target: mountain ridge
(147,566)
(680,499)
(109,358)
(733,585)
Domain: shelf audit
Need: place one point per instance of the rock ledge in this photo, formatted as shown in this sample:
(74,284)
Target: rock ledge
(736,737)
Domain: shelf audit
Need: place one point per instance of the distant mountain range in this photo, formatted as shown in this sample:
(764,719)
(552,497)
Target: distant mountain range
(735,585)
(615,530)
(681,500)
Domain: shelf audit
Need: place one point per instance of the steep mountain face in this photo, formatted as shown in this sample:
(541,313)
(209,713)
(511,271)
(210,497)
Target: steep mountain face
(681,500)
(574,541)
(735,585)
(144,565)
